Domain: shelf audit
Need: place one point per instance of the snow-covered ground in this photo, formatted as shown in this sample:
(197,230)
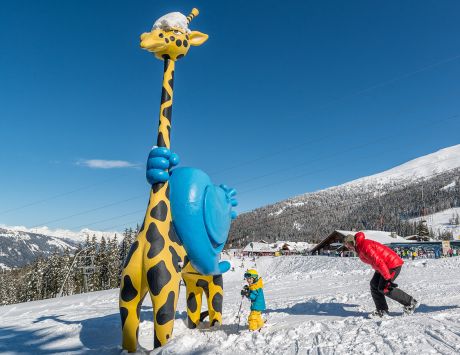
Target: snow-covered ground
(316,305)
(443,221)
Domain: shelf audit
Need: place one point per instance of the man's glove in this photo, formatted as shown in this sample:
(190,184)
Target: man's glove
(245,291)
(389,286)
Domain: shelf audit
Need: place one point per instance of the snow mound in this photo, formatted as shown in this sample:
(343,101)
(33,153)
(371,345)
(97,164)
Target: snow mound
(172,20)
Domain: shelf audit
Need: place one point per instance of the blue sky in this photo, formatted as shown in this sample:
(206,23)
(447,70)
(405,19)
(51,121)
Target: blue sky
(284,98)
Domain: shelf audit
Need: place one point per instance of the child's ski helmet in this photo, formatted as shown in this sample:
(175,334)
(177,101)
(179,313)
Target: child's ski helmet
(251,273)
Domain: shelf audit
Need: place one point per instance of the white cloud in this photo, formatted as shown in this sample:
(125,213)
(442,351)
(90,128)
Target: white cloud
(106,164)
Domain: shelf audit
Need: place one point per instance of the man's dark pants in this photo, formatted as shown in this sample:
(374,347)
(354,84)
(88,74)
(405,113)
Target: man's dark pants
(379,291)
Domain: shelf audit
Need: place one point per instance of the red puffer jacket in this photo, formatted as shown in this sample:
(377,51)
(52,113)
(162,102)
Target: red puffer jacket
(380,257)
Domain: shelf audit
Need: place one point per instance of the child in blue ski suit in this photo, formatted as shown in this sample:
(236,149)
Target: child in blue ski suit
(254,291)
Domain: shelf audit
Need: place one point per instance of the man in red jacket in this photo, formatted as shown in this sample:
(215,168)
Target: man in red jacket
(387,265)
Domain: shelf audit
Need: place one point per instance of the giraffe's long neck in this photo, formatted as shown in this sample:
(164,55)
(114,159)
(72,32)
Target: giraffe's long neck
(164,127)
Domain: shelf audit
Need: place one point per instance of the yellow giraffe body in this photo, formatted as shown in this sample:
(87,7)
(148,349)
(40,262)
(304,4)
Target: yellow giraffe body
(153,262)
(197,285)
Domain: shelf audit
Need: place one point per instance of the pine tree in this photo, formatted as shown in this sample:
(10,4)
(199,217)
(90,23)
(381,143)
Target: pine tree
(102,265)
(422,230)
(114,263)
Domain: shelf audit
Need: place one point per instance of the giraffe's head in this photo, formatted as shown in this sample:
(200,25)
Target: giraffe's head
(171,38)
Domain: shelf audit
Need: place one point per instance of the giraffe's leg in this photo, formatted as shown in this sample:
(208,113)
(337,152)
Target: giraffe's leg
(164,304)
(215,300)
(194,300)
(132,293)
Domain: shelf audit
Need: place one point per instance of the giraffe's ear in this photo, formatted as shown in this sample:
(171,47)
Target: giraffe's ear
(197,38)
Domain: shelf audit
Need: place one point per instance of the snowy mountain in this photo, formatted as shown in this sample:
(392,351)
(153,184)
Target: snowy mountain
(20,245)
(414,170)
(384,201)
(315,305)
(18,248)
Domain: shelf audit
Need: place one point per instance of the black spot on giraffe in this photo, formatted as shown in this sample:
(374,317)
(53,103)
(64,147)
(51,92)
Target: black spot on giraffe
(156,241)
(157,277)
(174,237)
(167,187)
(166,40)
(128,292)
(176,259)
(204,285)
(171,81)
(214,322)
(167,112)
(217,302)
(178,43)
(191,302)
(204,315)
(160,211)
(186,36)
(185,43)
(190,323)
(172,38)
(157,187)
(133,248)
(160,143)
(180,56)
(124,315)
(186,260)
(166,312)
(161,35)
(217,280)
(165,56)
(165,95)
(167,336)
(156,341)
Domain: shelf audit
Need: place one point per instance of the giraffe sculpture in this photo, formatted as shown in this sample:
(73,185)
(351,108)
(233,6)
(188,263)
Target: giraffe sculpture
(153,264)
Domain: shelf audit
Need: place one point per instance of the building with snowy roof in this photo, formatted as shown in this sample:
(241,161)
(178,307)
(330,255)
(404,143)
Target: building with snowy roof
(334,242)
(262,248)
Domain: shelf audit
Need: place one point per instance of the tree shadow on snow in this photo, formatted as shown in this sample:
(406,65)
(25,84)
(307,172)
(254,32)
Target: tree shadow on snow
(98,334)
(35,341)
(320,309)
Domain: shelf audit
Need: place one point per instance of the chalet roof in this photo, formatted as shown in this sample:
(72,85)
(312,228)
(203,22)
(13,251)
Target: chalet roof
(272,247)
(378,236)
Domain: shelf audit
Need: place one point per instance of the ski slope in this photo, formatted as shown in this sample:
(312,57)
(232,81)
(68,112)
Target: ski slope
(316,305)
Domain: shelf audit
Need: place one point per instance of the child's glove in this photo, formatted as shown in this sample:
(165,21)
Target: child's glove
(245,291)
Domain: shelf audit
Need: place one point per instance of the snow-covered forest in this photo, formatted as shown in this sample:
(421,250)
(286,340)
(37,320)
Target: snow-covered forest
(311,217)
(93,266)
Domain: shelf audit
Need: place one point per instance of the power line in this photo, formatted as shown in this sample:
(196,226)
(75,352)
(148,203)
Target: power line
(88,211)
(108,219)
(361,146)
(253,189)
(356,93)
(329,103)
(274,218)
(59,195)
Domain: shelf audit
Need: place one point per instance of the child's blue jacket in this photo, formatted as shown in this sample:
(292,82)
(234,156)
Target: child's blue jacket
(256,295)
